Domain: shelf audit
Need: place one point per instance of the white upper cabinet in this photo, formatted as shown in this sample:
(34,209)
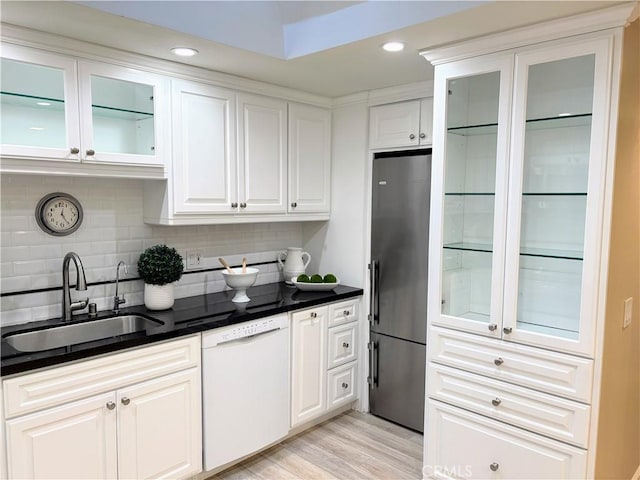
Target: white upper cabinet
(60,109)
(401,124)
(309,159)
(262,154)
(224,166)
(537,232)
(204,168)
(39,101)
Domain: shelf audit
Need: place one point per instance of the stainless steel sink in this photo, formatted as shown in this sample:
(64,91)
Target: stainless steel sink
(64,335)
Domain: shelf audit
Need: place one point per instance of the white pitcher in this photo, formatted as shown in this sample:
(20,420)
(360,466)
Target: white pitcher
(294,263)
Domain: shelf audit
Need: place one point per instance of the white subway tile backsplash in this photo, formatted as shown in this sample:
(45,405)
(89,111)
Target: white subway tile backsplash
(113,230)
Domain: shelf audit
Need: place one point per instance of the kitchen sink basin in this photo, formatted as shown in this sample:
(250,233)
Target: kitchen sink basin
(71,334)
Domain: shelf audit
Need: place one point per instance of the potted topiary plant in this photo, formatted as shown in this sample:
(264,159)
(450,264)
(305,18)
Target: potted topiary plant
(159,267)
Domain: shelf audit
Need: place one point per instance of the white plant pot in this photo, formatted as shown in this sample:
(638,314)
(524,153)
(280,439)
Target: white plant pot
(158,297)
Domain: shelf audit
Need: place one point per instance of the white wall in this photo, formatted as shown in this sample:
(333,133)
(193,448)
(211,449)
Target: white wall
(112,230)
(338,246)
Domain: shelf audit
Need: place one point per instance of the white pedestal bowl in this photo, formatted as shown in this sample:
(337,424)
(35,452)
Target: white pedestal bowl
(239,282)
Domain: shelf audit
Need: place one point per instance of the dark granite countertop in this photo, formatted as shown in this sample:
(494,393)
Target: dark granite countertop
(188,315)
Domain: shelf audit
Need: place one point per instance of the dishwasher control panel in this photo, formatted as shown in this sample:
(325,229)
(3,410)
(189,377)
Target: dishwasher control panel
(244,330)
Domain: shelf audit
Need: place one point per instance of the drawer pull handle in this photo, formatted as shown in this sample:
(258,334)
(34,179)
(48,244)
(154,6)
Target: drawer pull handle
(507,330)
(498,361)
(492,327)
(345,345)
(345,385)
(495,402)
(494,467)
(111,405)
(125,401)
(313,315)
(346,313)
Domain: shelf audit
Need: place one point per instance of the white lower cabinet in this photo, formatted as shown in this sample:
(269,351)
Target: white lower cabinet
(323,359)
(460,444)
(76,440)
(142,420)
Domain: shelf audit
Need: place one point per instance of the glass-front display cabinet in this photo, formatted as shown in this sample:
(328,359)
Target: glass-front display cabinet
(521,197)
(60,108)
(39,109)
(470,149)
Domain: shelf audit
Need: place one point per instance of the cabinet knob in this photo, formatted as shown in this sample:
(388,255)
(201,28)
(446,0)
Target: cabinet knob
(111,405)
(496,401)
(234,205)
(313,315)
(243,205)
(494,467)
(492,327)
(412,137)
(345,385)
(423,135)
(346,313)
(294,204)
(125,401)
(498,361)
(345,345)
(75,150)
(507,330)
(90,152)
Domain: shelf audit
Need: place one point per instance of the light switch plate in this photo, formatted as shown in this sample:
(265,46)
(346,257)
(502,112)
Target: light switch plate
(628,312)
(194,260)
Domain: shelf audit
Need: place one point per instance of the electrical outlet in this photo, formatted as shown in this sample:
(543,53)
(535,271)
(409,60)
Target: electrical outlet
(628,311)
(194,259)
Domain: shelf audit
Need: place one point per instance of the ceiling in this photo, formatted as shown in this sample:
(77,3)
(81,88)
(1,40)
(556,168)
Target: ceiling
(323,47)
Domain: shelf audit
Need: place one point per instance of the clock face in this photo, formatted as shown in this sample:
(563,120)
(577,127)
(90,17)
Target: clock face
(59,214)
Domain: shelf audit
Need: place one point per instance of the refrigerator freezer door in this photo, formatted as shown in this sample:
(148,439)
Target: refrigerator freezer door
(399,245)
(396,392)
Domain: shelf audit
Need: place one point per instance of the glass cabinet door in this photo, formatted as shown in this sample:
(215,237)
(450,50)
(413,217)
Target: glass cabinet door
(120,114)
(554,194)
(472,126)
(38,105)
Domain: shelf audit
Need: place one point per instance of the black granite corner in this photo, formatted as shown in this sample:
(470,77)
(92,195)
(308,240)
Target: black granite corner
(188,315)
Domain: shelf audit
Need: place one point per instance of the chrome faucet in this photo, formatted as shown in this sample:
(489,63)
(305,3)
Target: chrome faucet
(117,301)
(81,284)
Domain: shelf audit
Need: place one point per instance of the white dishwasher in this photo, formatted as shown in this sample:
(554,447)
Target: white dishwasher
(245,388)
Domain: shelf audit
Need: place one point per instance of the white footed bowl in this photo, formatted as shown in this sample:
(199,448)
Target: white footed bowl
(240,282)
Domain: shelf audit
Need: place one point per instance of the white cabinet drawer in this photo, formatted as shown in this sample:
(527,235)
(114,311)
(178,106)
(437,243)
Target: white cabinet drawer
(461,444)
(555,417)
(34,391)
(343,312)
(342,387)
(550,372)
(342,344)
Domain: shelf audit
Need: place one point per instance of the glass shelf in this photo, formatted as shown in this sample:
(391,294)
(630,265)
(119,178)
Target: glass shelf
(31,101)
(564,121)
(547,330)
(470,193)
(470,130)
(555,194)
(119,113)
(551,253)
(527,251)
(469,246)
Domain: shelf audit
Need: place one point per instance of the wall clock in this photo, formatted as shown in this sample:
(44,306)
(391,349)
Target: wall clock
(59,214)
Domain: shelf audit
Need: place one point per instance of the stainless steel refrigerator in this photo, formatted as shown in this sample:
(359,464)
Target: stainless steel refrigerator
(398,268)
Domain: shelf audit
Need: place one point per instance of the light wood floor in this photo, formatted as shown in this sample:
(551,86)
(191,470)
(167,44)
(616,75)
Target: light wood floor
(352,446)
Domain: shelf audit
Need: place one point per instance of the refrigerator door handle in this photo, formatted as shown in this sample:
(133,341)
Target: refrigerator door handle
(373,292)
(372,379)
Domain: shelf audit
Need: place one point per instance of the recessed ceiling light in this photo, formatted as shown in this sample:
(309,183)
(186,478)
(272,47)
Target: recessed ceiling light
(393,47)
(44,104)
(184,51)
